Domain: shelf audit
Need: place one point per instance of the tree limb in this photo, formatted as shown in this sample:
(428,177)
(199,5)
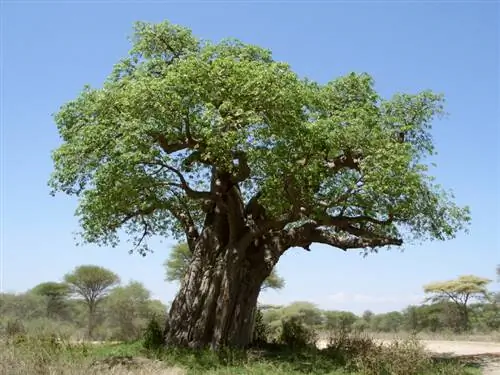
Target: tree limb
(170,148)
(347,160)
(184,185)
(308,234)
(243,167)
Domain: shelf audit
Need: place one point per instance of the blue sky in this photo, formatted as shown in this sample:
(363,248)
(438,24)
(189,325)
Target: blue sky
(50,50)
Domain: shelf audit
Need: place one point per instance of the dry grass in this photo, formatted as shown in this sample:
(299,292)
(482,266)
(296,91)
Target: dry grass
(345,355)
(42,359)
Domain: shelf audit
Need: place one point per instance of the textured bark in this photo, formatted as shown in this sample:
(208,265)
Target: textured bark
(216,302)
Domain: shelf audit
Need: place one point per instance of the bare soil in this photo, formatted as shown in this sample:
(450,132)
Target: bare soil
(486,353)
(483,352)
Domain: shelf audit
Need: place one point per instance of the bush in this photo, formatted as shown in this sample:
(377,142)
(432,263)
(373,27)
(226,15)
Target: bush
(345,349)
(14,328)
(261,330)
(153,335)
(401,357)
(295,334)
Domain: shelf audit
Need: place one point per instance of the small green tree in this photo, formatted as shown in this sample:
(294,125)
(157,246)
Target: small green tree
(128,310)
(306,312)
(460,291)
(178,260)
(342,321)
(55,294)
(92,283)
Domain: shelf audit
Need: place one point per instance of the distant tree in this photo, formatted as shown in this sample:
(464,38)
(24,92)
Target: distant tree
(367,315)
(498,272)
(460,291)
(23,306)
(55,294)
(387,322)
(340,320)
(178,262)
(306,312)
(92,283)
(128,310)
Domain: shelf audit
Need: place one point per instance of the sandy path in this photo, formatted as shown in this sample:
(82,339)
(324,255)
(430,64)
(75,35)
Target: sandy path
(460,348)
(489,350)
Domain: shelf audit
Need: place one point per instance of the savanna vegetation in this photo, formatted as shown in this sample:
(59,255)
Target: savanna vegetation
(232,153)
(48,328)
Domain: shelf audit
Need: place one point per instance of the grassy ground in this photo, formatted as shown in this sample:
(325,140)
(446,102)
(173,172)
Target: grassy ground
(355,357)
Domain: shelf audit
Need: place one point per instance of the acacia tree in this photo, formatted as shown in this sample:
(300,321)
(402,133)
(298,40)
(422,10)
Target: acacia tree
(55,295)
(461,292)
(177,264)
(231,149)
(92,283)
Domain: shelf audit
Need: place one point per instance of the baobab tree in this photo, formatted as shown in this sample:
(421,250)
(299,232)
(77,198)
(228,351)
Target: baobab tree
(224,146)
(177,264)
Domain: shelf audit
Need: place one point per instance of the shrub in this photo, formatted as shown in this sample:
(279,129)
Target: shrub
(14,328)
(295,334)
(401,357)
(261,330)
(347,348)
(153,335)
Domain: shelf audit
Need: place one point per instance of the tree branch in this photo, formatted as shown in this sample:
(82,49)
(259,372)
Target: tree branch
(184,185)
(170,148)
(308,234)
(347,160)
(243,168)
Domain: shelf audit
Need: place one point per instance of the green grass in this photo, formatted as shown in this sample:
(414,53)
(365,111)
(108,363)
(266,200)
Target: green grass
(46,356)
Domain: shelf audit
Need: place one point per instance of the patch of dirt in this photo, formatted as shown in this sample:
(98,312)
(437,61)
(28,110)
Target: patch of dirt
(486,354)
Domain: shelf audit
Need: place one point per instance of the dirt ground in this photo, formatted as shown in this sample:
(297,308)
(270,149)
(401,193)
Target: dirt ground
(488,353)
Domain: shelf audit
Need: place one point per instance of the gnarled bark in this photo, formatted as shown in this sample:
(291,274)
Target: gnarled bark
(216,303)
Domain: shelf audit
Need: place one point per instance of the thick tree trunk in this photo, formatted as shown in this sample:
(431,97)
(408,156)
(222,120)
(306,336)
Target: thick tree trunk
(216,302)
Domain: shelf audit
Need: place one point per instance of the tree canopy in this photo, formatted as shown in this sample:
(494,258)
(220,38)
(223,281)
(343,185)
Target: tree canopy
(178,260)
(180,118)
(92,283)
(55,294)
(460,291)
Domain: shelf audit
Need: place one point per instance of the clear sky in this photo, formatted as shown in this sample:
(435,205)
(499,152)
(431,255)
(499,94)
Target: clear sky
(50,50)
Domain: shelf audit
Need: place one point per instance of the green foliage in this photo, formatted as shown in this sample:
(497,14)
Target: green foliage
(342,321)
(388,322)
(128,309)
(178,261)
(461,289)
(460,292)
(56,295)
(90,282)
(139,152)
(403,357)
(153,335)
(261,330)
(295,334)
